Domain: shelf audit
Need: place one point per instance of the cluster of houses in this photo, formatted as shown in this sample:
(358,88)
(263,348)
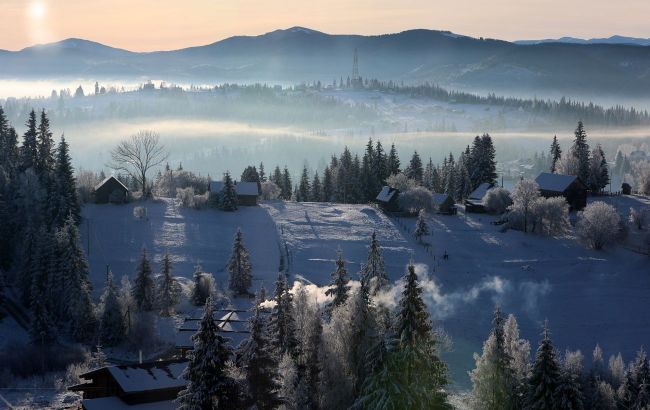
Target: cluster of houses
(550,185)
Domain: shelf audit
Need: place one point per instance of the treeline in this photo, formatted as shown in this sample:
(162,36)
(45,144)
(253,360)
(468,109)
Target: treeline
(563,110)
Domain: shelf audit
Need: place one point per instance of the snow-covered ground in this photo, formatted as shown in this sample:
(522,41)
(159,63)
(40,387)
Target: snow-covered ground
(589,297)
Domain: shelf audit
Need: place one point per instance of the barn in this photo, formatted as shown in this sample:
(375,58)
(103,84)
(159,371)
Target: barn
(443,203)
(474,202)
(247,192)
(388,199)
(135,386)
(568,186)
(110,190)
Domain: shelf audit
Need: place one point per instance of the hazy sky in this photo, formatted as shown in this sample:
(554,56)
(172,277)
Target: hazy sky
(168,24)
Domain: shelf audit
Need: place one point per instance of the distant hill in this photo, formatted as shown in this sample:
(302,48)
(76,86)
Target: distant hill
(300,54)
(573,40)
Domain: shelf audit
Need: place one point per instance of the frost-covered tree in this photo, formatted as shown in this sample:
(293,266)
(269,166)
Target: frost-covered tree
(208,384)
(545,377)
(556,154)
(598,224)
(338,287)
(493,379)
(421,226)
(258,360)
(497,200)
(569,390)
(168,294)
(203,286)
(282,326)
(239,267)
(415,199)
(526,192)
(519,351)
(228,195)
(373,273)
(639,217)
(144,291)
(616,367)
(111,326)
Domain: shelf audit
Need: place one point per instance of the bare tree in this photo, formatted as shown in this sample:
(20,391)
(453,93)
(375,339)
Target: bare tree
(137,154)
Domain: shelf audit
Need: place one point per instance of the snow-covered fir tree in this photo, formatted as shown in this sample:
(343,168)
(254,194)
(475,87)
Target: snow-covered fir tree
(338,287)
(393,163)
(228,194)
(111,326)
(545,377)
(67,200)
(519,351)
(144,291)
(282,328)
(304,188)
(421,226)
(316,192)
(373,273)
(556,155)
(208,384)
(415,170)
(168,294)
(569,391)
(493,379)
(580,152)
(239,267)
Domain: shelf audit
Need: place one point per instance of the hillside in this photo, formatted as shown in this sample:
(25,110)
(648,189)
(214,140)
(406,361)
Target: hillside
(300,54)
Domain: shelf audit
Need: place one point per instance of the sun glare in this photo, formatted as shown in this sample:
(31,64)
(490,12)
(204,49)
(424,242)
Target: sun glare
(37,10)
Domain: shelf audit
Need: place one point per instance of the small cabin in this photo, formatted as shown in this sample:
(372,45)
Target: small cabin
(388,199)
(154,383)
(231,323)
(443,203)
(247,192)
(569,186)
(474,202)
(110,190)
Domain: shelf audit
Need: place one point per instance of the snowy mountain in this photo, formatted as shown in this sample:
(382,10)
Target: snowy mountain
(616,39)
(301,54)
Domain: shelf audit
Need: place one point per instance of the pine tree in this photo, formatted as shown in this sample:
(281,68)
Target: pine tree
(393,163)
(45,146)
(112,326)
(285,184)
(316,194)
(143,289)
(281,322)
(494,384)
(228,194)
(303,188)
(42,330)
(546,377)
(168,288)
(77,290)
(414,170)
(556,155)
(262,173)
(380,166)
(421,227)
(328,185)
(239,267)
(569,393)
(67,198)
(208,384)
(339,287)
(581,152)
(373,273)
(259,363)
(29,149)
(276,177)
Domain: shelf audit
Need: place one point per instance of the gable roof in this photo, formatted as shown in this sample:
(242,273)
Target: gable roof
(554,182)
(134,378)
(480,191)
(439,199)
(386,194)
(241,188)
(108,179)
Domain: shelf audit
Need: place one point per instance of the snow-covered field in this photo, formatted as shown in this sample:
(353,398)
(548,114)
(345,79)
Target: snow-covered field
(589,297)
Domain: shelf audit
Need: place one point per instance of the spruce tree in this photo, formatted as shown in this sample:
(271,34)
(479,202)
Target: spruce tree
(316,193)
(281,321)
(545,377)
(338,287)
(228,194)
(285,184)
(143,287)
(168,288)
(42,328)
(208,384)
(29,148)
(239,267)
(380,166)
(262,173)
(373,273)
(111,327)
(303,188)
(415,170)
(556,155)
(66,189)
(581,152)
(393,163)
(328,185)
(421,227)
(45,146)
(259,363)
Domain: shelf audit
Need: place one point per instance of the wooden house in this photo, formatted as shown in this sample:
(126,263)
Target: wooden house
(110,190)
(443,203)
(568,186)
(247,192)
(474,202)
(388,199)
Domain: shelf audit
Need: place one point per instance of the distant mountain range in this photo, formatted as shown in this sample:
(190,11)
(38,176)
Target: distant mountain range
(609,40)
(301,54)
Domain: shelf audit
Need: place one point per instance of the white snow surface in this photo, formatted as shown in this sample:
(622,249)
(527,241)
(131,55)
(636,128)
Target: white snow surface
(136,379)
(588,296)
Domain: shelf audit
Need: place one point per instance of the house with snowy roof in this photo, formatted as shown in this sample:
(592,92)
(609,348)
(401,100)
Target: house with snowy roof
(143,386)
(388,199)
(110,190)
(247,192)
(569,186)
(443,203)
(232,323)
(474,202)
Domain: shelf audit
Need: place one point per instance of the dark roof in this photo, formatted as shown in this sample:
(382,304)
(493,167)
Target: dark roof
(555,182)
(386,194)
(480,191)
(241,188)
(108,179)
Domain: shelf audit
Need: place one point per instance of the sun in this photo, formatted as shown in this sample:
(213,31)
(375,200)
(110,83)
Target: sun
(37,10)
